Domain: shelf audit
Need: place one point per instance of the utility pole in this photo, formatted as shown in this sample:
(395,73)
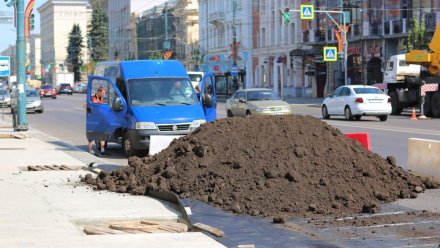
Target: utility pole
(22,124)
(234,69)
(343,62)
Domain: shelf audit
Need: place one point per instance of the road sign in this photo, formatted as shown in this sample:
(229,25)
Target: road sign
(307,12)
(234,70)
(330,54)
(5,66)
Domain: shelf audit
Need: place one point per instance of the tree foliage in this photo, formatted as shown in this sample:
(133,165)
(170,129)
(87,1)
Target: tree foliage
(417,35)
(74,51)
(197,56)
(98,35)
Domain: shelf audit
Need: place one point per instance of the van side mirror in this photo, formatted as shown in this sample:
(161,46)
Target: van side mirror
(117,104)
(207,100)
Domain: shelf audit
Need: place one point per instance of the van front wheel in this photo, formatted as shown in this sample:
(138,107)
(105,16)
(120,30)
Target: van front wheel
(126,146)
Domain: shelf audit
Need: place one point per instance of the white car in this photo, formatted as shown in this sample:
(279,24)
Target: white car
(355,101)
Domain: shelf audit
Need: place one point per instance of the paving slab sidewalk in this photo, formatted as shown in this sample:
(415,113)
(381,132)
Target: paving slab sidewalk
(49,208)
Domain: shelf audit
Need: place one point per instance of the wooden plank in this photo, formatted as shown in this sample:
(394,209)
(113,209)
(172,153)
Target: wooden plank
(49,167)
(100,230)
(33,168)
(6,136)
(65,167)
(168,226)
(133,227)
(206,228)
(42,168)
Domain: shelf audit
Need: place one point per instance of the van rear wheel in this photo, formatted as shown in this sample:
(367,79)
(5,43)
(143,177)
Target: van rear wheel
(127,146)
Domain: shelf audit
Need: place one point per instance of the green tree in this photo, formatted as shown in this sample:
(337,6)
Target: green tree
(197,57)
(74,51)
(98,35)
(417,35)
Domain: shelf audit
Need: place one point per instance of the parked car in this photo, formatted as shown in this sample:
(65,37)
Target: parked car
(33,101)
(65,89)
(355,101)
(256,101)
(5,97)
(48,90)
(80,88)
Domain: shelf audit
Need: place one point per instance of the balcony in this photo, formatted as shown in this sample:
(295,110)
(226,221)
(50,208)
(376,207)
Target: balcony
(356,30)
(376,29)
(430,21)
(313,35)
(395,27)
(387,28)
(216,17)
(319,35)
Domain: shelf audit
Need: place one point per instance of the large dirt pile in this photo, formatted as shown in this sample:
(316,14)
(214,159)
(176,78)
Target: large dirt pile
(280,166)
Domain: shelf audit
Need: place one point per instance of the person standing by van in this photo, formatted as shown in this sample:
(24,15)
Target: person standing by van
(98,97)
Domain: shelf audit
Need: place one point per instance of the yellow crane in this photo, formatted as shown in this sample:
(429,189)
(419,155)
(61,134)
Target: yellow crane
(429,59)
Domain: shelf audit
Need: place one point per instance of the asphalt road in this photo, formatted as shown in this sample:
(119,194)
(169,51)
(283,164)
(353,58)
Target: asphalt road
(64,119)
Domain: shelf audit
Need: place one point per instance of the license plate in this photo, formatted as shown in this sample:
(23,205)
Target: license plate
(375,101)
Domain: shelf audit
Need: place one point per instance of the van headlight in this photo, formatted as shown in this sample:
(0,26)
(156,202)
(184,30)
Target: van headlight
(197,123)
(145,125)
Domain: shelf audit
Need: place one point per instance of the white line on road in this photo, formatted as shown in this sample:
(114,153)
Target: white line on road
(387,128)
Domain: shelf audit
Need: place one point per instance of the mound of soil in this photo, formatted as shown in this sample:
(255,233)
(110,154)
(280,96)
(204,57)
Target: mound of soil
(279,166)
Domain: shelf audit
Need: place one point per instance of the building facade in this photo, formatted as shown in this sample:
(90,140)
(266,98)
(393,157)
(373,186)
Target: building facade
(57,18)
(220,23)
(187,28)
(289,58)
(157,32)
(34,65)
(123,36)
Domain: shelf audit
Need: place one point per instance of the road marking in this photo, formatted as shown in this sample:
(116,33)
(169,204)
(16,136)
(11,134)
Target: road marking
(388,128)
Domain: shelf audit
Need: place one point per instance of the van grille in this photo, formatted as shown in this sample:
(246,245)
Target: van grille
(171,127)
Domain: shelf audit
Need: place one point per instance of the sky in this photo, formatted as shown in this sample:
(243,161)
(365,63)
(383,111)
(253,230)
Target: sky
(8,31)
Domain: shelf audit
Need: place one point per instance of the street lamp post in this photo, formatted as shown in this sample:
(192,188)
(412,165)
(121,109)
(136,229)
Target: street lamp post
(234,47)
(21,124)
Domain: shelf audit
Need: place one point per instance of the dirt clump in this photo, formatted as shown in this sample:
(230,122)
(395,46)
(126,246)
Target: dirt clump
(278,166)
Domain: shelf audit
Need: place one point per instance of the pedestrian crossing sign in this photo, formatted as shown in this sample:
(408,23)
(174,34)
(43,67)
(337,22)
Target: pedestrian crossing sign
(307,12)
(330,54)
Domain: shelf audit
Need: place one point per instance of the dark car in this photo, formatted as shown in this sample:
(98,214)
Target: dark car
(48,90)
(65,89)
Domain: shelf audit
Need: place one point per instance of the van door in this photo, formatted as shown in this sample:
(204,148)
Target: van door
(208,87)
(103,119)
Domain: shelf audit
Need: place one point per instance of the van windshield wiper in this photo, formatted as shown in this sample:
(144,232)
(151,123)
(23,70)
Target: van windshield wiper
(181,102)
(160,103)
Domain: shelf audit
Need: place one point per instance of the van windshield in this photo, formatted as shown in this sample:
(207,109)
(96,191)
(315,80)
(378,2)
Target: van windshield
(161,91)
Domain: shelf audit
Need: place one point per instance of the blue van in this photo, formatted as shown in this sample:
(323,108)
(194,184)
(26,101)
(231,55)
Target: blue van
(146,98)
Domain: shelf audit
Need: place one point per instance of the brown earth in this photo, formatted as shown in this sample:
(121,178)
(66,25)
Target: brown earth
(278,166)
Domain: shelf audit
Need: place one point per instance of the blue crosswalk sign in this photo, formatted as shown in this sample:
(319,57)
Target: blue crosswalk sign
(307,12)
(330,54)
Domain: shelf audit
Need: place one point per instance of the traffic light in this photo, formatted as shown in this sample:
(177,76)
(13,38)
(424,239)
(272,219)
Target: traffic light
(10,3)
(32,22)
(285,15)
